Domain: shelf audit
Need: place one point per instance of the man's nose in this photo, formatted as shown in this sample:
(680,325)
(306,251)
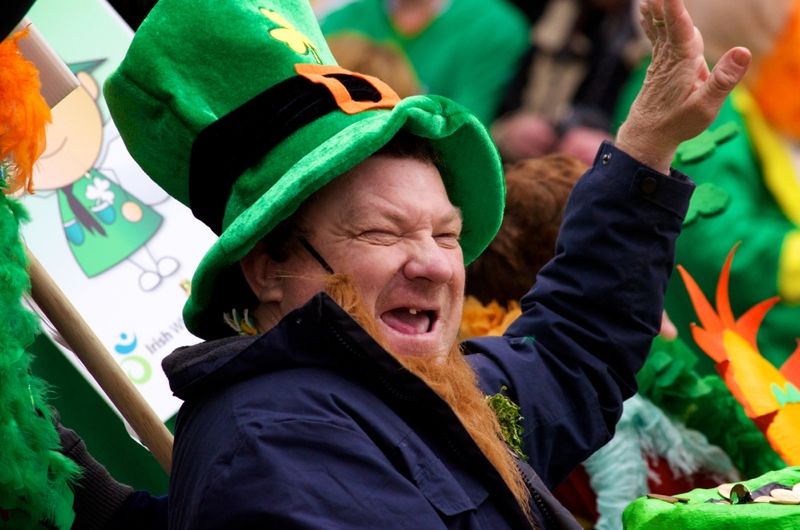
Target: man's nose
(427,260)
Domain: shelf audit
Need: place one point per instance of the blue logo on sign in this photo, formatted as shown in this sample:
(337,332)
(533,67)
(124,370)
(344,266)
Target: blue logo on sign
(127,345)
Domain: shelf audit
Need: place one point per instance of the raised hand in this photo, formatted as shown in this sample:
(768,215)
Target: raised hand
(680,97)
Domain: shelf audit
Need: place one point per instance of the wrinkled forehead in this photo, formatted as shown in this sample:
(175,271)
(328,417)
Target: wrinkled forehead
(398,190)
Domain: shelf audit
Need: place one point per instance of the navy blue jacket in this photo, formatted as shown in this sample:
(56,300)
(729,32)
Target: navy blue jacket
(312,425)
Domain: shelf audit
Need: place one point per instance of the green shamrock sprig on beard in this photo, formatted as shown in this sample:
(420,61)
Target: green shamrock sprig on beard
(510,420)
(290,35)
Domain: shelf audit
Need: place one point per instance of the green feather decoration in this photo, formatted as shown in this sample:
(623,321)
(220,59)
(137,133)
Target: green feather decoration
(34,477)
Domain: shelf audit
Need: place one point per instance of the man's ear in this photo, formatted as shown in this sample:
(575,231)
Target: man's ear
(259,269)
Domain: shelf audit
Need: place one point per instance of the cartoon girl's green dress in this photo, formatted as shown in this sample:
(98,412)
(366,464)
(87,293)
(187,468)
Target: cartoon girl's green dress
(103,223)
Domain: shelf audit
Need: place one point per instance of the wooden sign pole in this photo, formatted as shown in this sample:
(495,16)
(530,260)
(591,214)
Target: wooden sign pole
(100,364)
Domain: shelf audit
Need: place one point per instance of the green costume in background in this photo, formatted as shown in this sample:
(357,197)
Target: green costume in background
(749,192)
(740,199)
(103,223)
(468,52)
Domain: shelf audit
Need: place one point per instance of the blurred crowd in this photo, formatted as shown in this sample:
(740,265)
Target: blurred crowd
(553,79)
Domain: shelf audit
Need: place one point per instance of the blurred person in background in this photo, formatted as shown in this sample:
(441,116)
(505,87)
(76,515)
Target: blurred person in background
(466,50)
(563,94)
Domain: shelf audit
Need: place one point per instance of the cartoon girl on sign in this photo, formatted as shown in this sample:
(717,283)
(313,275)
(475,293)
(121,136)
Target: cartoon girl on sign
(103,223)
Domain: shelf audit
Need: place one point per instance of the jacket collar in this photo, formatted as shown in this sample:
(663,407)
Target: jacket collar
(295,341)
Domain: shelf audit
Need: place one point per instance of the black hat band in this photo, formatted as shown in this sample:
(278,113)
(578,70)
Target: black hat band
(239,140)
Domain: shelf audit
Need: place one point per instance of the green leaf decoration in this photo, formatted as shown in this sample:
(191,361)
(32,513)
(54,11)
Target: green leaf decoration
(668,378)
(705,403)
(510,420)
(703,145)
(708,200)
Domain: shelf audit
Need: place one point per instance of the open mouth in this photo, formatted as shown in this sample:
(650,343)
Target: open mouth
(411,320)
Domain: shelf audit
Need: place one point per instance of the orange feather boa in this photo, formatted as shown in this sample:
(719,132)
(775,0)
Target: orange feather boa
(23,114)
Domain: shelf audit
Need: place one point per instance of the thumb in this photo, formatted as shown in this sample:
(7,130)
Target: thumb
(727,73)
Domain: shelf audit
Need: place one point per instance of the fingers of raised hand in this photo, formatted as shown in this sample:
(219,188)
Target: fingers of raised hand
(652,20)
(649,29)
(678,22)
(667,21)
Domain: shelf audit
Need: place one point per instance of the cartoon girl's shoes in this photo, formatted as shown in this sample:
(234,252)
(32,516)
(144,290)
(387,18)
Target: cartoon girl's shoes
(167,266)
(149,280)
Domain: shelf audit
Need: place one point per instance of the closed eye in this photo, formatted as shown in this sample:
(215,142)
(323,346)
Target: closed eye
(448,239)
(379,237)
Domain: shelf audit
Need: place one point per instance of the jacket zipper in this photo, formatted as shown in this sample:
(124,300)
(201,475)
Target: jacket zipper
(536,496)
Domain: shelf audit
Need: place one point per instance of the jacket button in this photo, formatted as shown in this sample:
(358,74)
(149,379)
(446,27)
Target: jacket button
(648,185)
(606,158)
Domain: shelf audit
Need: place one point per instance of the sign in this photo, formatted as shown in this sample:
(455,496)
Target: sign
(121,249)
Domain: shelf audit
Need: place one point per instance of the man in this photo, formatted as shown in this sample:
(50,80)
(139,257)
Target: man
(361,412)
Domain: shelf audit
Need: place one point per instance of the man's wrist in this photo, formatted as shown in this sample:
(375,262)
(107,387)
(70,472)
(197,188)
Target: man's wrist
(654,153)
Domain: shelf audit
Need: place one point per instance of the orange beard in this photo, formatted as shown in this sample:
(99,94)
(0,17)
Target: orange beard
(454,381)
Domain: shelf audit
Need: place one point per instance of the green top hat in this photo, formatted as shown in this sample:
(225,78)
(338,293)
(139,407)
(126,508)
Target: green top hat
(238,110)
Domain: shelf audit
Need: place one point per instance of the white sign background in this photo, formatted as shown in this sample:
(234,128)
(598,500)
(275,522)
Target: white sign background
(139,327)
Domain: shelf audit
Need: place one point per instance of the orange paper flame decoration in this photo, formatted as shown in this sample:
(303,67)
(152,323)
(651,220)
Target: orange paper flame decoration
(23,115)
(770,397)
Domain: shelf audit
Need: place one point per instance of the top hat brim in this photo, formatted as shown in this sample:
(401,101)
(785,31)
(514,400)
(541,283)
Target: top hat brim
(473,180)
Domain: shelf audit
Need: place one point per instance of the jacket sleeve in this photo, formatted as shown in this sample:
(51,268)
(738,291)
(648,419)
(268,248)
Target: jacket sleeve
(569,361)
(100,501)
(304,474)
